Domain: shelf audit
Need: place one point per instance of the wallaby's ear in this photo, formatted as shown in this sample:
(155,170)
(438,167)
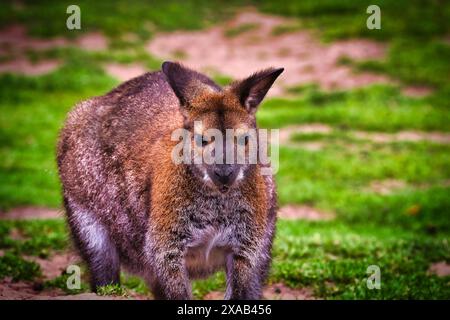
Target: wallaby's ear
(252,90)
(187,83)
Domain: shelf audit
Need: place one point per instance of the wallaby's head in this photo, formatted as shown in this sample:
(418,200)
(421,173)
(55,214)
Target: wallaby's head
(221,121)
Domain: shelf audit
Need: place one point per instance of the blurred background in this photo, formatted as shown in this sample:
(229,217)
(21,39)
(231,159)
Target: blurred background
(364,125)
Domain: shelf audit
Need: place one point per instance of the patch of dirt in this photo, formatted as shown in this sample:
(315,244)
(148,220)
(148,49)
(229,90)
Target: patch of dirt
(14,41)
(83,296)
(386,187)
(124,72)
(441,269)
(15,234)
(51,268)
(214,295)
(310,146)
(24,66)
(297,212)
(417,91)
(56,264)
(443,183)
(411,136)
(26,213)
(305,59)
(93,41)
(277,291)
(286,132)
(10,290)
(389,186)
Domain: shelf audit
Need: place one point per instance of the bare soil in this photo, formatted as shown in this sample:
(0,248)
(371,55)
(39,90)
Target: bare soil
(93,41)
(124,72)
(16,235)
(441,269)
(305,59)
(15,41)
(386,187)
(56,264)
(297,212)
(277,291)
(417,91)
(286,133)
(10,290)
(23,66)
(29,212)
(51,268)
(411,136)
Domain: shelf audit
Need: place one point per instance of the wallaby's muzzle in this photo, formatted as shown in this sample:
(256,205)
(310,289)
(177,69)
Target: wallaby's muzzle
(224,176)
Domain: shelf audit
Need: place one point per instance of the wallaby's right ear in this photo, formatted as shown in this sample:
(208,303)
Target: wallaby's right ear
(186,83)
(252,90)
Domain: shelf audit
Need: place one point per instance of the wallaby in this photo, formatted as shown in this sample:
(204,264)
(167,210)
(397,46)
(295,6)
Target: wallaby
(128,204)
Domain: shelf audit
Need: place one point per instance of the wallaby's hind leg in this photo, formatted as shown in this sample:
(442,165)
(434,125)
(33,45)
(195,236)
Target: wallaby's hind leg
(95,246)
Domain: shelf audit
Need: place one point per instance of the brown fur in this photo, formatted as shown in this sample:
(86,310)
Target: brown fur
(129,204)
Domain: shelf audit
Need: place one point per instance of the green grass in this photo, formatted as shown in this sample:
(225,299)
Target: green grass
(347,18)
(333,259)
(112,290)
(243,28)
(38,237)
(214,283)
(287,28)
(60,282)
(46,18)
(330,257)
(134,53)
(402,232)
(222,80)
(374,108)
(339,176)
(134,283)
(417,51)
(17,268)
(31,116)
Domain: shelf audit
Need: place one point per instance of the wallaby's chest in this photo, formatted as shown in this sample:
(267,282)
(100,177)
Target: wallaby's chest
(207,250)
(215,215)
(214,226)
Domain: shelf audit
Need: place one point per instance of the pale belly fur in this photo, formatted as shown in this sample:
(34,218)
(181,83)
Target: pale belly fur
(208,252)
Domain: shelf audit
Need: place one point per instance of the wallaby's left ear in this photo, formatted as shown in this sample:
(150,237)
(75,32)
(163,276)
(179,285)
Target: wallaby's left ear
(252,90)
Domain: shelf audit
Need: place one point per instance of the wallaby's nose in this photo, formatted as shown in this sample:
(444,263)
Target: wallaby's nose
(223,173)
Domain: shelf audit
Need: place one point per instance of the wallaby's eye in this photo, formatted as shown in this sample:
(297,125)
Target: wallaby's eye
(243,140)
(202,141)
